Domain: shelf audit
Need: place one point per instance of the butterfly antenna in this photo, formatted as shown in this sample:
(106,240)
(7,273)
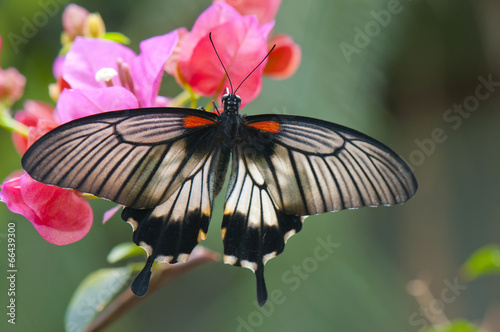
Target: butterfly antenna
(267,55)
(227,74)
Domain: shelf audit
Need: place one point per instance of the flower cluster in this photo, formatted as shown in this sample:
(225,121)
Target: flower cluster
(97,73)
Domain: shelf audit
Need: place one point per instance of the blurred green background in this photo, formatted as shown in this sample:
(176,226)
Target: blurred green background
(397,86)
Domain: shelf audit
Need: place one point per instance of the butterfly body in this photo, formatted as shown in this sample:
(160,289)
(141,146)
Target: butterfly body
(229,124)
(167,165)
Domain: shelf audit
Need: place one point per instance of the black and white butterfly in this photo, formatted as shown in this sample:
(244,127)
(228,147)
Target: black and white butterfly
(167,165)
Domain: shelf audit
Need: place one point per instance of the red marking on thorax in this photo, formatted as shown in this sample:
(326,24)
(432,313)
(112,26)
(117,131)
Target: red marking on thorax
(195,121)
(270,126)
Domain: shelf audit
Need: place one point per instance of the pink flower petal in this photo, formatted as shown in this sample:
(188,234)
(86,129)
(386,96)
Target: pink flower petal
(161,101)
(87,56)
(264,10)
(110,213)
(77,103)
(284,61)
(12,176)
(59,215)
(215,15)
(57,66)
(172,64)
(33,112)
(42,127)
(147,69)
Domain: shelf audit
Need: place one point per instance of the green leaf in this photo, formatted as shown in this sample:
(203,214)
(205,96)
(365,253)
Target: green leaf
(458,325)
(124,251)
(94,294)
(117,37)
(484,261)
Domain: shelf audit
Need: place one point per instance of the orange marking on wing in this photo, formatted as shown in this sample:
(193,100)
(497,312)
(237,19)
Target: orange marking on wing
(195,121)
(270,126)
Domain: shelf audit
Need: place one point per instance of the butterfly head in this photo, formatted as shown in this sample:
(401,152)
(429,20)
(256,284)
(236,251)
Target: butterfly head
(231,102)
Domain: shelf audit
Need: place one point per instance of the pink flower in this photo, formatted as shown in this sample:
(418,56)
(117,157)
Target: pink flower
(31,115)
(241,42)
(264,10)
(60,216)
(284,60)
(77,21)
(11,84)
(138,76)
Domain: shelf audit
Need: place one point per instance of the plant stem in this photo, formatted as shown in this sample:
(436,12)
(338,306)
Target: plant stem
(181,99)
(161,275)
(7,122)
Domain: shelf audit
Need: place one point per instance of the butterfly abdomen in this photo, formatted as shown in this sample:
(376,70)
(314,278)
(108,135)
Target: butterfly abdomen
(230,123)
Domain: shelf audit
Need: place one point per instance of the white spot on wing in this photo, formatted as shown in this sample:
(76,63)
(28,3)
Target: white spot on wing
(182,257)
(268,257)
(289,233)
(249,265)
(133,223)
(164,259)
(230,259)
(147,247)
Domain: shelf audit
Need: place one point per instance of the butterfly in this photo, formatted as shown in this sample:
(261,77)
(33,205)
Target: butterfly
(167,165)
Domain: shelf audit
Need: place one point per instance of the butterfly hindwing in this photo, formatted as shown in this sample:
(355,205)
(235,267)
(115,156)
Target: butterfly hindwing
(136,158)
(171,230)
(254,230)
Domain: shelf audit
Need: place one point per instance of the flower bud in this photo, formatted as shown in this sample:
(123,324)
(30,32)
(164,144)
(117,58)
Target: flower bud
(73,19)
(94,26)
(11,85)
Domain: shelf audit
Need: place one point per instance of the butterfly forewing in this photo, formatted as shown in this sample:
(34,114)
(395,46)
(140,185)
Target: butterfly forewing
(137,158)
(312,166)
